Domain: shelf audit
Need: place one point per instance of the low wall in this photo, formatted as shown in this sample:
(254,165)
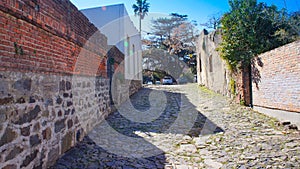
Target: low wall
(276,78)
(53,80)
(42,116)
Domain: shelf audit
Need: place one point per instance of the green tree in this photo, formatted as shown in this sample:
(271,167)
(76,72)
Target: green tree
(141,8)
(213,21)
(294,23)
(249,29)
(164,26)
(175,33)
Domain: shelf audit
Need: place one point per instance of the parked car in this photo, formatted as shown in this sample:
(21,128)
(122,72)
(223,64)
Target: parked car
(149,82)
(167,80)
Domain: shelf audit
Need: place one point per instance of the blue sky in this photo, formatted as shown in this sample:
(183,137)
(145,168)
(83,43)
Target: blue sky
(198,10)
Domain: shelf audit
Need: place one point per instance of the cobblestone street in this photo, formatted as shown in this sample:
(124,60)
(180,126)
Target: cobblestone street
(182,127)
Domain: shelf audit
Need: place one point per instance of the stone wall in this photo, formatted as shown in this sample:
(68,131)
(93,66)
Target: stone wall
(53,84)
(211,69)
(276,78)
(42,116)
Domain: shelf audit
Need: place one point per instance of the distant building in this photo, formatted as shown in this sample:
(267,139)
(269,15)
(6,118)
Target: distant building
(115,23)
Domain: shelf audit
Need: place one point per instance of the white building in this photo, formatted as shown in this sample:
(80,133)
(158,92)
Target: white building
(115,23)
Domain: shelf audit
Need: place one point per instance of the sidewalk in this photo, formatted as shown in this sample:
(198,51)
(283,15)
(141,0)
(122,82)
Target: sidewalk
(282,116)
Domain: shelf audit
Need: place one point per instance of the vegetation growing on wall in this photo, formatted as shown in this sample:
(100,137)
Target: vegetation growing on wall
(232,87)
(249,29)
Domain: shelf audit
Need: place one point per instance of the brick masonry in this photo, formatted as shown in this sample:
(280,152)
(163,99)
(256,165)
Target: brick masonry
(53,80)
(48,36)
(277,74)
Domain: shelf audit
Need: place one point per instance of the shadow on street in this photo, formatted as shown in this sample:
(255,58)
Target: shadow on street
(175,119)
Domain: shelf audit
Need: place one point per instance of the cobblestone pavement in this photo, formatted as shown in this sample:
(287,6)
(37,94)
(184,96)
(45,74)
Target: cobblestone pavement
(185,127)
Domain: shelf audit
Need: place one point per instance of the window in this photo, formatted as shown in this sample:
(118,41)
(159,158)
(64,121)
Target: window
(134,60)
(200,63)
(210,64)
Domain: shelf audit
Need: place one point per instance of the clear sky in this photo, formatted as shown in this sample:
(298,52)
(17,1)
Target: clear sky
(198,10)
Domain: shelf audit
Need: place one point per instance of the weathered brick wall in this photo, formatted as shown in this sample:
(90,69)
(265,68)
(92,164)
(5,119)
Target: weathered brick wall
(48,36)
(53,85)
(278,78)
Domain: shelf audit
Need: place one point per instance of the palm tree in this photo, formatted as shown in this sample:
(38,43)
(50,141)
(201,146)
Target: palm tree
(141,8)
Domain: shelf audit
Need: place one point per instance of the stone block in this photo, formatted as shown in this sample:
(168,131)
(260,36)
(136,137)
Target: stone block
(36,127)
(69,103)
(52,156)
(21,100)
(67,112)
(28,117)
(34,140)
(66,95)
(59,125)
(32,99)
(62,85)
(13,153)
(47,133)
(79,135)
(3,88)
(22,85)
(70,123)
(67,142)
(45,113)
(10,166)
(48,102)
(8,136)
(59,100)
(68,85)
(6,100)
(25,131)
(3,116)
(40,166)
(29,158)
(59,113)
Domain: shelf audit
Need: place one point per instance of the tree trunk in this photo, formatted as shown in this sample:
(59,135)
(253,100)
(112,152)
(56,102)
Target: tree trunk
(140,25)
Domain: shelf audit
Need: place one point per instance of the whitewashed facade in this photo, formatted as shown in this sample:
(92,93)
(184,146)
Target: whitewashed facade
(115,23)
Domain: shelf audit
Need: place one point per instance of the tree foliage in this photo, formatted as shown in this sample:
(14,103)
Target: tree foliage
(175,33)
(249,29)
(159,60)
(171,39)
(141,8)
(213,21)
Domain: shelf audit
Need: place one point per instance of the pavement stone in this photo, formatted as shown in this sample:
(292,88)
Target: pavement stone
(222,135)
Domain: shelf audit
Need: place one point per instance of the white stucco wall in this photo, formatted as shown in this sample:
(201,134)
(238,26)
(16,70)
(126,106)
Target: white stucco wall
(114,22)
(211,69)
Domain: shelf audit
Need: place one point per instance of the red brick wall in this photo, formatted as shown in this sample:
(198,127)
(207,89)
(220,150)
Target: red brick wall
(278,86)
(48,36)
(242,82)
